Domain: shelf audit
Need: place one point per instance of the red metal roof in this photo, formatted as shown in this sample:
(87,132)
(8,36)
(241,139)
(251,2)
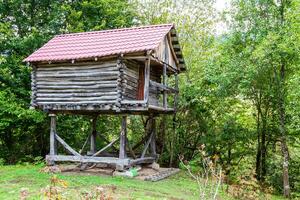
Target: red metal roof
(101,43)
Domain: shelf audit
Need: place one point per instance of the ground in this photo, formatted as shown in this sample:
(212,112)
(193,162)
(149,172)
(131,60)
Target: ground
(34,184)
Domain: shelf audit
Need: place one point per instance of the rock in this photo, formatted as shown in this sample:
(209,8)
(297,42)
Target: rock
(154,166)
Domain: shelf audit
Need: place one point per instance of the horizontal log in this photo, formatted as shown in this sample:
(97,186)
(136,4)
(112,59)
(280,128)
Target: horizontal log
(95,86)
(163,87)
(56,75)
(86,83)
(158,108)
(70,107)
(81,71)
(67,95)
(145,160)
(40,99)
(76,65)
(79,79)
(78,103)
(79,90)
(88,159)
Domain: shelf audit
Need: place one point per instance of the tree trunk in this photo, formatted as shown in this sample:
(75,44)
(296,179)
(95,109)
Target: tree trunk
(258,153)
(282,129)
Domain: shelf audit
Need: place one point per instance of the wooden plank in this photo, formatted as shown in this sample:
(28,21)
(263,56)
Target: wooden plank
(153,141)
(98,98)
(78,79)
(57,75)
(79,103)
(81,90)
(147,79)
(83,68)
(93,135)
(163,87)
(81,83)
(66,146)
(53,146)
(106,147)
(176,94)
(123,135)
(67,95)
(79,64)
(165,100)
(145,160)
(147,144)
(63,87)
(88,159)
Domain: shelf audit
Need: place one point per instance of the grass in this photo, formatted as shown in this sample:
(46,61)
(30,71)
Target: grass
(16,177)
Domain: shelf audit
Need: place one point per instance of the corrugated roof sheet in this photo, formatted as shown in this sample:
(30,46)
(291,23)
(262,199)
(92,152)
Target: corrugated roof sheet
(101,43)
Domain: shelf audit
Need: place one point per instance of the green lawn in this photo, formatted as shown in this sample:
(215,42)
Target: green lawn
(15,178)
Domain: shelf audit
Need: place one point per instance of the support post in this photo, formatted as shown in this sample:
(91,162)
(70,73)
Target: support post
(176,93)
(165,97)
(53,145)
(153,140)
(123,136)
(147,78)
(93,136)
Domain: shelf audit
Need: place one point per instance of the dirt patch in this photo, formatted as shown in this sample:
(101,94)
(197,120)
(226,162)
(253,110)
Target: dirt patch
(98,170)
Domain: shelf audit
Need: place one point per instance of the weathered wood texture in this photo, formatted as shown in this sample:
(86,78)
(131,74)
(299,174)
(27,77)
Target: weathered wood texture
(75,84)
(135,80)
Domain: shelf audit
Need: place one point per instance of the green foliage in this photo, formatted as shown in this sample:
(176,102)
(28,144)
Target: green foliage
(24,27)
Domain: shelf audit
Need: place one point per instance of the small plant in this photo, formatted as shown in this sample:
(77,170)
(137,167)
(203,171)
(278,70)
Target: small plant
(206,172)
(55,189)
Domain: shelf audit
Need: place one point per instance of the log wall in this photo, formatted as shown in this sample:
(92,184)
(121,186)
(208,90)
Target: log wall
(75,84)
(132,80)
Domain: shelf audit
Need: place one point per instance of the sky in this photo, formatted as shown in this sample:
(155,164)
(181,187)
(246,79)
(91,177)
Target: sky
(220,5)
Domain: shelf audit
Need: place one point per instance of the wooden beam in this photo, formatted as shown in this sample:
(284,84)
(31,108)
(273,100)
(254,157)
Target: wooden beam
(122,151)
(165,97)
(130,149)
(176,94)
(85,143)
(149,129)
(93,135)
(147,78)
(88,159)
(53,145)
(106,147)
(145,160)
(153,141)
(162,87)
(66,146)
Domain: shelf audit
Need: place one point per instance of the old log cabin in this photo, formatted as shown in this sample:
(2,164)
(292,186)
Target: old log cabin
(120,71)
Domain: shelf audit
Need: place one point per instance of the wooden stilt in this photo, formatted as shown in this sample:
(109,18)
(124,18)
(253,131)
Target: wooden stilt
(153,140)
(53,145)
(149,129)
(93,148)
(122,152)
(123,135)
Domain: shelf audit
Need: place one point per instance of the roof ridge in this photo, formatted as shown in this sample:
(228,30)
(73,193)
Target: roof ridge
(114,30)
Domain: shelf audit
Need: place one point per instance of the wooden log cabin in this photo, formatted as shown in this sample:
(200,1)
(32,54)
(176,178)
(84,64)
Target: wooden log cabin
(120,71)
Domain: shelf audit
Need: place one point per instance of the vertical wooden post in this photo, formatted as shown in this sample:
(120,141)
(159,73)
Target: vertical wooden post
(147,78)
(165,98)
(176,93)
(53,145)
(123,136)
(153,139)
(93,135)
